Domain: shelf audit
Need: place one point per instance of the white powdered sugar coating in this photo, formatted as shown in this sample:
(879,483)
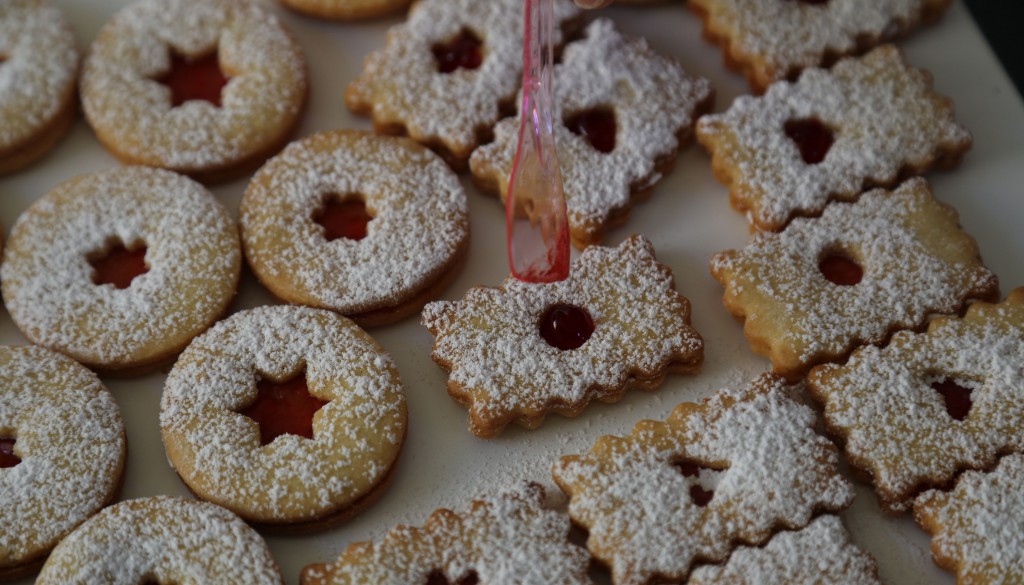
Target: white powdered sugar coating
(217,451)
(38,63)
(777,473)
(884,117)
(820,553)
(162,540)
(915,261)
(978,527)
(896,425)
(654,102)
(507,539)
(420,221)
(133,114)
(401,86)
(504,370)
(70,438)
(192,253)
(774,39)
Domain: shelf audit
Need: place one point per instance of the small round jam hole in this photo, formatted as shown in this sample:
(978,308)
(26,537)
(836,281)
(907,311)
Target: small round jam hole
(118,265)
(438,578)
(464,51)
(956,397)
(343,217)
(194,79)
(7,456)
(597,125)
(700,496)
(283,408)
(839,269)
(813,138)
(566,326)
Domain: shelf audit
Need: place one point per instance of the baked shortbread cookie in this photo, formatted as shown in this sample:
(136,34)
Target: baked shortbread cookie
(771,40)
(621,113)
(976,527)
(729,471)
(506,539)
(449,73)
(917,412)
(522,350)
(861,271)
(830,135)
(820,553)
(346,10)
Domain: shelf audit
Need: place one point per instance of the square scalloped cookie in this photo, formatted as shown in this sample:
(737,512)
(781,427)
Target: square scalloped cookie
(863,270)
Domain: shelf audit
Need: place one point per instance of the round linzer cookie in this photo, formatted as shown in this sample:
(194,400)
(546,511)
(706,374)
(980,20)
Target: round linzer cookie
(62,453)
(522,350)
(346,10)
(38,73)
(510,539)
(732,470)
(121,269)
(291,417)
(369,226)
(208,88)
(162,540)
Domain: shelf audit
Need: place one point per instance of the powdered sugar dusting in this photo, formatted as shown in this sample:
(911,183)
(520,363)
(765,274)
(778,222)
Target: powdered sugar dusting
(217,451)
(192,252)
(70,439)
(654,101)
(777,473)
(163,540)
(885,119)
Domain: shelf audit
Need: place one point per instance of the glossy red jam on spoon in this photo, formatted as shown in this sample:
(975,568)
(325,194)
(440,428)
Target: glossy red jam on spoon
(283,408)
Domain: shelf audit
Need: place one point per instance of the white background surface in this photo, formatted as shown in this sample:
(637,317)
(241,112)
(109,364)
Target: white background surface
(687,218)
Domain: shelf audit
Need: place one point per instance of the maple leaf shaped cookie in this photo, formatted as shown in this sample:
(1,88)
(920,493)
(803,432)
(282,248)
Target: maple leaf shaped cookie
(522,350)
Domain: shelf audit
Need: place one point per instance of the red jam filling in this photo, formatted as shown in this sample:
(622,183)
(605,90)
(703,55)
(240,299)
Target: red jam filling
(343,219)
(957,398)
(566,326)
(119,266)
(438,578)
(839,269)
(283,408)
(465,51)
(700,496)
(813,138)
(597,125)
(7,456)
(194,79)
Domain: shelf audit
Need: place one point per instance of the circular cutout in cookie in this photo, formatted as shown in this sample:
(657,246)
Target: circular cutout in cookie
(282,408)
(566,326)
(465,51)
(813,138)
(597,125)
(118,265)
(7,457)
(194,79)
(956,395)
(839,268)
(343,217)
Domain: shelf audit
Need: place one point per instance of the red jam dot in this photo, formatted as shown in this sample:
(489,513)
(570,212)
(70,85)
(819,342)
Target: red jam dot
(194,79)
(438,578)
(839,269)
(343,219)
(813,138)
(957,398)
(119,266)
(465,50)
(283,408)
(566,326)
(597,125)
(700,496)
(7,456)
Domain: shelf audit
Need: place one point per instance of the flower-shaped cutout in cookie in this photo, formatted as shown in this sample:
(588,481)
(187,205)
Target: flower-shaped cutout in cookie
(506,370)
(628,491)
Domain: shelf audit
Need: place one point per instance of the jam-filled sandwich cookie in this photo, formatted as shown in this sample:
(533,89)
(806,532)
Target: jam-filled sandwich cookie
(729,471)
(622,112)
(38,73)
(209,88)
(346,10)
(162,540)
(121,269)
(449,73)
(522,350)
(772,40)
(867,122)
(510,539)
(925,407)
(291,417)
(62,453)
(370,226)
(823,286)
(977,527)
